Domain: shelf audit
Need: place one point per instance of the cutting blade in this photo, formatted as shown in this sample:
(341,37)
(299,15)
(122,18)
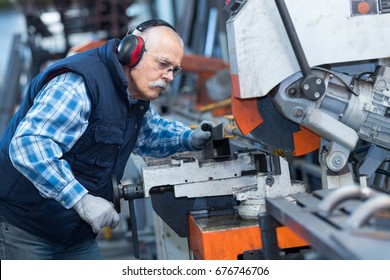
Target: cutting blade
(260,118)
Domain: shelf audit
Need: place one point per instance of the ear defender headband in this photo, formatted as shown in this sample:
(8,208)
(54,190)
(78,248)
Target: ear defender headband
(132,47)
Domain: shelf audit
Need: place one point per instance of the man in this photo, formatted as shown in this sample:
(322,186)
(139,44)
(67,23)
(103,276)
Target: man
(78,124)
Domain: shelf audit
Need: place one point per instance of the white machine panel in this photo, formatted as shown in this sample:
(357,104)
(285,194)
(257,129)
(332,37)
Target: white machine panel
(260,52)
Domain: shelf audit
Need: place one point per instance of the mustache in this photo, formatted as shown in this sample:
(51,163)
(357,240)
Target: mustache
(160,83)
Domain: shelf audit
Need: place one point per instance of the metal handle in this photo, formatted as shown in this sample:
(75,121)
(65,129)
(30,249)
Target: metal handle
(134,232)
(312,87)
(293,37)
(336,197)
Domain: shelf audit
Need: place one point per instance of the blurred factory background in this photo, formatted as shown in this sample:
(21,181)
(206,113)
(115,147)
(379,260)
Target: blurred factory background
(33,34)
(36,33)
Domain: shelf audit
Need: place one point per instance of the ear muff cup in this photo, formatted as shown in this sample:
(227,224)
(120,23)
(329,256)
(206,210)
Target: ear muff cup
(130,50)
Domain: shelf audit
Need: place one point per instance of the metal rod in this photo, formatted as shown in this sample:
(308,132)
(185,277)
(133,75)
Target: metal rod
(9,91)
(269,238)
(362,214)
(134,233)
(331,201)
(293,36)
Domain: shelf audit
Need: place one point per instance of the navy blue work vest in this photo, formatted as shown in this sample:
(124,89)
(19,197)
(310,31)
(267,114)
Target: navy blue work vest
(101,151)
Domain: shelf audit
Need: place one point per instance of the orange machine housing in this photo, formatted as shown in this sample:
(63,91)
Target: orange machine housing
(226,237)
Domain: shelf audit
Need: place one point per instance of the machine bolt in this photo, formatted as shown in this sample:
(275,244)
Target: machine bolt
(317,94)
(298,113)
(306,86)
(337,161)
(270,181)
(292,91)
(318,81)
(381,84)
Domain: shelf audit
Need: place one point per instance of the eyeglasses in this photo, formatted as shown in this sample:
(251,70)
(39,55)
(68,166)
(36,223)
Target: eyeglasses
(165,64)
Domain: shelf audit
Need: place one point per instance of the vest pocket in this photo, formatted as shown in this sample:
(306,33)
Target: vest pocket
(94,156)
(109,140)
(99,147)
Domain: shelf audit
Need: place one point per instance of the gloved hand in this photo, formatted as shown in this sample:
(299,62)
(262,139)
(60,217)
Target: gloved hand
(97,212)
(201,135)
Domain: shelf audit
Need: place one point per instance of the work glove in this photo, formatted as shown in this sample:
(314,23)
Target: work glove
(201,135)
(97,212)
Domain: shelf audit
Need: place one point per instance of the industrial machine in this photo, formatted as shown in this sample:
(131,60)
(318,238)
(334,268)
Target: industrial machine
(307,75)
(313,75)
(317,72)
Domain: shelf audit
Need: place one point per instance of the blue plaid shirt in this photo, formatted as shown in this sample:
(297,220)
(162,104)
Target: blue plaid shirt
(57,119)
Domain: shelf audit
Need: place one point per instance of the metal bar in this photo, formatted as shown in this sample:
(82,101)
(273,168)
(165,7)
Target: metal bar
(134,233)
(330,236)
(211,32)
(367,209)
(305,224)
(9,92)
(293,36)
(269,239)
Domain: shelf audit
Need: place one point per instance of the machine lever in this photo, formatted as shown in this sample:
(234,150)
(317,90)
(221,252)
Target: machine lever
(293,37)
(312,87)
(129,193)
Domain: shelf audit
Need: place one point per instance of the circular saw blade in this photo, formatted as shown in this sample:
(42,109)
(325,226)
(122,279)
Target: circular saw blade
(272,129)
(275,131)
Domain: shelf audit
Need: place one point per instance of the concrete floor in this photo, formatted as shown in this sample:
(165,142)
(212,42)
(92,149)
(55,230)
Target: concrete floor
(118,245)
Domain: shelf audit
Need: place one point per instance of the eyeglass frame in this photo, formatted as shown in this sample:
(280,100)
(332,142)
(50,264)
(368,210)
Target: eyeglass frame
(164,63)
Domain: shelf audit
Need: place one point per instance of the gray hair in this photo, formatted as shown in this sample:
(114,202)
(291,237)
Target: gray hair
(147,34)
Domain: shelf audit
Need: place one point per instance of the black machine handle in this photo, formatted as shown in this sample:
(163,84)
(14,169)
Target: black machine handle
(293,37)
(312,87)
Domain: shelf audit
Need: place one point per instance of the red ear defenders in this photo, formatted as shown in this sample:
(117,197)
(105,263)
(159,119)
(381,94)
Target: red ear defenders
(132,47)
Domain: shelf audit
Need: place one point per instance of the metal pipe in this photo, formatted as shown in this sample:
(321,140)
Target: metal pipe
(187,114)
(9,92)
(361,215)
(134,232)
(216,105)
(330,202)
(269,238)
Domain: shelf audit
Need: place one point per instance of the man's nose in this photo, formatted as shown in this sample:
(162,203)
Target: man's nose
(168,75)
